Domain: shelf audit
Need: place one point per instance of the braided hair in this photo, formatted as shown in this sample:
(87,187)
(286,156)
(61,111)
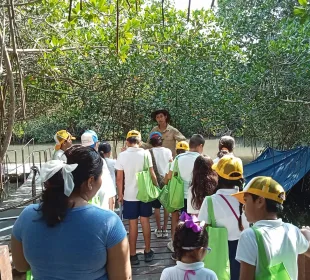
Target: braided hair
(230,184)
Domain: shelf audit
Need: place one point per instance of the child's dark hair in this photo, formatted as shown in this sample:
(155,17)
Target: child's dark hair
(156,142)
(180,151)
(204,180)
(222,153)
(271,205)
(133,140)
(196,140)
(227,142)
(104,148)
(186,237)
(230,184)
(55,203)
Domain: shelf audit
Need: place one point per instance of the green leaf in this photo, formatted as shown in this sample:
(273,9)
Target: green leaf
(303,2)
(299,11)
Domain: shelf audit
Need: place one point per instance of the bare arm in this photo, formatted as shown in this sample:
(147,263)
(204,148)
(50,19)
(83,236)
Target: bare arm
(18,255)
(247,271)
(306,232)
(168,177)
(118,263)
(153,175)
(120,184)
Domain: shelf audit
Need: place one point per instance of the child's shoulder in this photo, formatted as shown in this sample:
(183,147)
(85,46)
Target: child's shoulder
(209,274)
(248,233)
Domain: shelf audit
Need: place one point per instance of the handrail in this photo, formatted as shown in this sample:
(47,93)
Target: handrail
(31,140)
(44,155)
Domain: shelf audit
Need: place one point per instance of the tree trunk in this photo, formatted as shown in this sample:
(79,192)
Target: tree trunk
(11,106)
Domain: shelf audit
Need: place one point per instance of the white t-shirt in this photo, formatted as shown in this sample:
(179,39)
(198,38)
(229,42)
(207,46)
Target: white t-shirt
(60,155)
(223,215)
(131,162)
(283,243)
(216,160)
(186,164)
(107,189)
(190,209)
(111,166)
(178,272)
(162,157)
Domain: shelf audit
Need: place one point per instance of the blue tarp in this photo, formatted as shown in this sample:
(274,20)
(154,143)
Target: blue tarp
(286,167)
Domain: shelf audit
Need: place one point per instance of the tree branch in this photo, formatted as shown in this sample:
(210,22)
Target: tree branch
(22,4)
(52,50)
(296,101)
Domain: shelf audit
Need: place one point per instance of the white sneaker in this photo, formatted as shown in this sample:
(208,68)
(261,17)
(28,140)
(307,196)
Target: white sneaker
(165,234)
(159,233)
(170,246)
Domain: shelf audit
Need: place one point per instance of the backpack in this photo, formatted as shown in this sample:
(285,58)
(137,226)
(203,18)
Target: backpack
(160,179)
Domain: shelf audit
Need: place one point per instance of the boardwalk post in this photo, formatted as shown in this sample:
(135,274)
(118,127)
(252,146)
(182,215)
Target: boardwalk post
(5,264)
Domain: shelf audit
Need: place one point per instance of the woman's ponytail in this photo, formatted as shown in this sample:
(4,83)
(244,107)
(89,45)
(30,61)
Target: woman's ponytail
(54,202)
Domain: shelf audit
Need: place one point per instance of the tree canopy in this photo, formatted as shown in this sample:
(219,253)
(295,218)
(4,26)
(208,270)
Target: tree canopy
(106,64)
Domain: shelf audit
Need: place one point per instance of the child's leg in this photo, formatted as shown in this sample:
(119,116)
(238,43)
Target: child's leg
(174,222)
(156,205)
(166,216)
(133,236)
(234,264)
(112,203)
(131,212)
(146,229)
(157,218)
(145,214)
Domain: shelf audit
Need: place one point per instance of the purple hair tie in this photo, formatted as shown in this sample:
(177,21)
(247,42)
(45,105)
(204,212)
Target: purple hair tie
(191,222)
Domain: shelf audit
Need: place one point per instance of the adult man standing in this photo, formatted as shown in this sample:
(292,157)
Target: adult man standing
(170,135)
(63,141)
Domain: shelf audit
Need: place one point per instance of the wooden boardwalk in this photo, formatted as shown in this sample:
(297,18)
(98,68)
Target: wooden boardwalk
(162,259)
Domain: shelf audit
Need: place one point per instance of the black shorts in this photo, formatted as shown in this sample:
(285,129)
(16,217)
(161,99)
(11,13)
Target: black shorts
(156,204)
(134,209)
(184,209)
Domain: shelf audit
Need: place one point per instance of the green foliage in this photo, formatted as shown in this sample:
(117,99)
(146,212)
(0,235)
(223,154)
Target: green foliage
(243,69)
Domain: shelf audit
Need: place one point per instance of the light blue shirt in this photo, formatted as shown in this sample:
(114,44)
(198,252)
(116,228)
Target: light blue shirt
(74,249)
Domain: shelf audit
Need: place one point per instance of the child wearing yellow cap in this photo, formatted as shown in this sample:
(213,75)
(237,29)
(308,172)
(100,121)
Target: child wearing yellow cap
(128,164)
(271,247)
(63,141)
(227,210)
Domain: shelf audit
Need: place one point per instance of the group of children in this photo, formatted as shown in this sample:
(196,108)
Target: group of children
(268,242)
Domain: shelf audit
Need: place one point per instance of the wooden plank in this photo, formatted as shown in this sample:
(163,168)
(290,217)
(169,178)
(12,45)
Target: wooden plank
(152,268)
(154,244)
(156,250)
(155,262)
(155,276)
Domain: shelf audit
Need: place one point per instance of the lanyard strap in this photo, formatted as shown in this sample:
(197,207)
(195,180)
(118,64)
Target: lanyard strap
(232,209)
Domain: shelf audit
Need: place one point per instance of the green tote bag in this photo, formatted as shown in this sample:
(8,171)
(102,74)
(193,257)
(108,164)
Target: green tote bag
(176,189)
(164,199)
(218,260)
(29,275)
(267,272)
(147,192)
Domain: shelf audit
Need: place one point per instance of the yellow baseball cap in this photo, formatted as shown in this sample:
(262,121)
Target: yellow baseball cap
(182,145)
(227,166)
(265,187)
(60,137)
(134,133)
